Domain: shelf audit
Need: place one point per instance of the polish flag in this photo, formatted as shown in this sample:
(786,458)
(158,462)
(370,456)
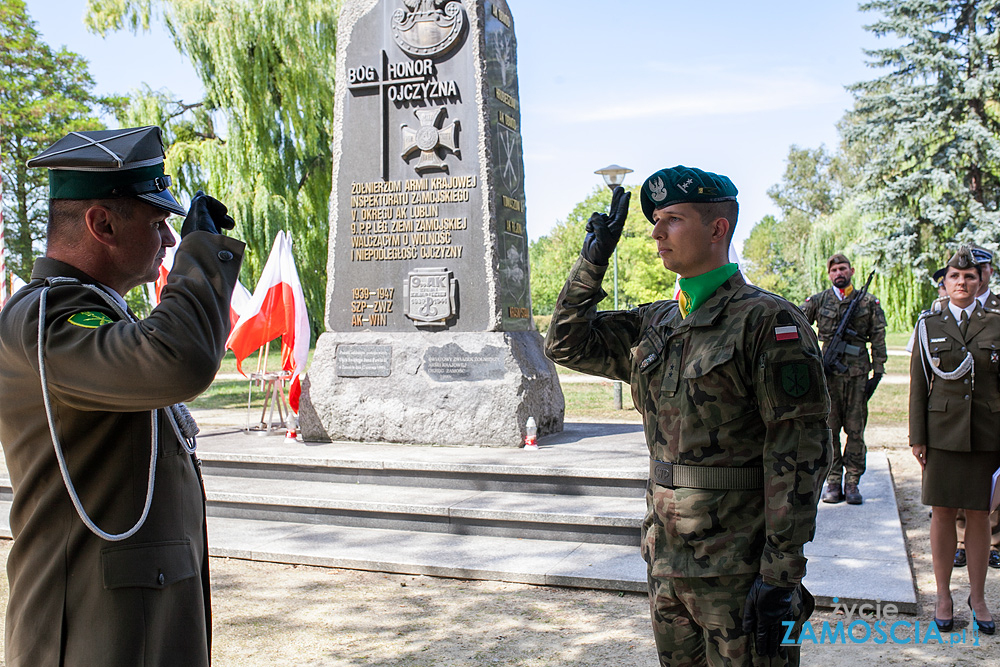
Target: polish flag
(277,308)
(241,295)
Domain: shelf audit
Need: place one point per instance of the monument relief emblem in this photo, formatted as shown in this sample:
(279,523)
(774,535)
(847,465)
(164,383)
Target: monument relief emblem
(429,296)
(509,145)
(428,138)
(428,27)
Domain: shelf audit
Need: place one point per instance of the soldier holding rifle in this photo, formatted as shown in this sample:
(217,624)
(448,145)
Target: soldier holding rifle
(848,321)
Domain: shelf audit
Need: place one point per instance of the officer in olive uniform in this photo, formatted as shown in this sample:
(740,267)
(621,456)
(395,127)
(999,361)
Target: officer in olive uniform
(987,299)
(109,564)
(729,382)
(850,390)
(953,428)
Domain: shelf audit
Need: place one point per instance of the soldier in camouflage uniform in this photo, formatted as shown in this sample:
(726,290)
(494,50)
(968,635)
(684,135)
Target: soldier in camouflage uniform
(850,390)
(729,382)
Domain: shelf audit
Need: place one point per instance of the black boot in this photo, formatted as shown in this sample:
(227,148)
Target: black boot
(852,494)
(833,494)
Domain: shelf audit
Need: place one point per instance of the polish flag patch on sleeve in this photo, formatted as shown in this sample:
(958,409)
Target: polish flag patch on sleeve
(786,333)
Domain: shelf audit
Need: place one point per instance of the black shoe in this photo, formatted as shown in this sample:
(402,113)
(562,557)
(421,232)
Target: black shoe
(852,494)
(833,494)
(986,627)
(994,559)
(960,558)
(946,624)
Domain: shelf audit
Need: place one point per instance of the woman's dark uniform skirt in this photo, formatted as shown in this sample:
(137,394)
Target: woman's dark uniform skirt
(959,479)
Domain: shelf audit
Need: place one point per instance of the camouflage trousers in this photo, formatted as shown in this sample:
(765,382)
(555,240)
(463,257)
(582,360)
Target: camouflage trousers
(848,411)
(699,621)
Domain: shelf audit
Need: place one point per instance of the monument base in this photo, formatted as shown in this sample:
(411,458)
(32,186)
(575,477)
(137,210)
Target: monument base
(430,388)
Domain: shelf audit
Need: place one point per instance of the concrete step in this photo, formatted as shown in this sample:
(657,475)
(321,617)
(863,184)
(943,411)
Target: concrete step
(578,518)
(526,561)
(546,479)
(541,562)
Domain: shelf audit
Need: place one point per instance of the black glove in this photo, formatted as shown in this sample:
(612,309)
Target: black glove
(766,607)
(871,384)
(206,215)
(603,231)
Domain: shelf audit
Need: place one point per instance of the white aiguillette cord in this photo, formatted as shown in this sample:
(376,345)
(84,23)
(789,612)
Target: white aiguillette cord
(967,364)
(178,415)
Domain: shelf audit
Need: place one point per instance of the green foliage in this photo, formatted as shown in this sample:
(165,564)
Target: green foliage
(268,69)
(780,255)
(641,276)
(43,94)
(930,130)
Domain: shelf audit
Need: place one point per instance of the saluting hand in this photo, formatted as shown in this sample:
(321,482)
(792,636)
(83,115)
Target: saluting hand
(604,230)
(920,452)
(206,214)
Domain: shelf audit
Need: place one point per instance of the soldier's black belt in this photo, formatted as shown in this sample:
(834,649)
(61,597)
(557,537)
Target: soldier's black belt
(679,476)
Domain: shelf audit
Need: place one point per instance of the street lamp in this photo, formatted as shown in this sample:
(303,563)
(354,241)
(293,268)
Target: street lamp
(614,175)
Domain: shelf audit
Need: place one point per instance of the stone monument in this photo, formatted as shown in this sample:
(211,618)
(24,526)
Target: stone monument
(429,336)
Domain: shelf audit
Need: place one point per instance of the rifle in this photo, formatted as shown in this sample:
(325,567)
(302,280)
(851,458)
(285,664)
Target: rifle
(838,347)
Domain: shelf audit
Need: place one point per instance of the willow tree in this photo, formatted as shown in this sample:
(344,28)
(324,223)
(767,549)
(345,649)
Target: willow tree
(267,68)
(929,126)
(43,93)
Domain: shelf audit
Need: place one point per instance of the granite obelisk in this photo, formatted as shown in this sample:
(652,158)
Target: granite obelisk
(429,336)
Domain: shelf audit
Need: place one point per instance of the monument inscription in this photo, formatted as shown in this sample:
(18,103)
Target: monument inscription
(428,280)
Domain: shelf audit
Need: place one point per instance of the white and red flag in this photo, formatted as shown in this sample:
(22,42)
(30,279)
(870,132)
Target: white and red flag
(277,308)
(241,295)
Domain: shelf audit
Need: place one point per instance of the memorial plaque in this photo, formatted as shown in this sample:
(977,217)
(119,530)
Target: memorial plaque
(428,248)
(357,361)
(451,363)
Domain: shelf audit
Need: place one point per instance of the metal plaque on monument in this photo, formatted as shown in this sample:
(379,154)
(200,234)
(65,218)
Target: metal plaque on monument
(429,335)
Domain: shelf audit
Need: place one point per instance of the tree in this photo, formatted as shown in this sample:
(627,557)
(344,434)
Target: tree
(814,186)
(43,94)
(268,69)
(929,127)
(641,276)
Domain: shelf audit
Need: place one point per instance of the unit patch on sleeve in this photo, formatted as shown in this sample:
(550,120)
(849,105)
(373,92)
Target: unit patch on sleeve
(89,319)
(795,379)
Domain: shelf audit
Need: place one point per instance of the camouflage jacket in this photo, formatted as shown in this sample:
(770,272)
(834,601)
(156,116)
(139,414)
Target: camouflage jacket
(739,382)
(826,310)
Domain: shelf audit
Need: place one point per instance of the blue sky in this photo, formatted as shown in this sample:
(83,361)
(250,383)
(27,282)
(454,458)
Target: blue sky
(725,85)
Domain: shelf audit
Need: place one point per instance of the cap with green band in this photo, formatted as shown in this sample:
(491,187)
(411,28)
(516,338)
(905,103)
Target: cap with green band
(103,164)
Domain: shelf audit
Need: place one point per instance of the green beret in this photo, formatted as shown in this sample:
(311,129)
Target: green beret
(681,184)
(103,164)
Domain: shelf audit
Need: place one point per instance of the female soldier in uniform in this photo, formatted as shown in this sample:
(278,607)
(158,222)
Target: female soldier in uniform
(954,381)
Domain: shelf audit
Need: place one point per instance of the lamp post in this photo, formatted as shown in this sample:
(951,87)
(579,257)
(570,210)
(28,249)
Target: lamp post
(614,176)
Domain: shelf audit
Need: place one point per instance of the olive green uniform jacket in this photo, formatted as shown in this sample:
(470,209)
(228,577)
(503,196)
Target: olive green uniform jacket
(739,382)
(950,414)
(826,309)
(76,599)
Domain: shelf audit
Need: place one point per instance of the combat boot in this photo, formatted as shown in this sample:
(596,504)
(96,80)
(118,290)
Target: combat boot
(852,494)
(832,493)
